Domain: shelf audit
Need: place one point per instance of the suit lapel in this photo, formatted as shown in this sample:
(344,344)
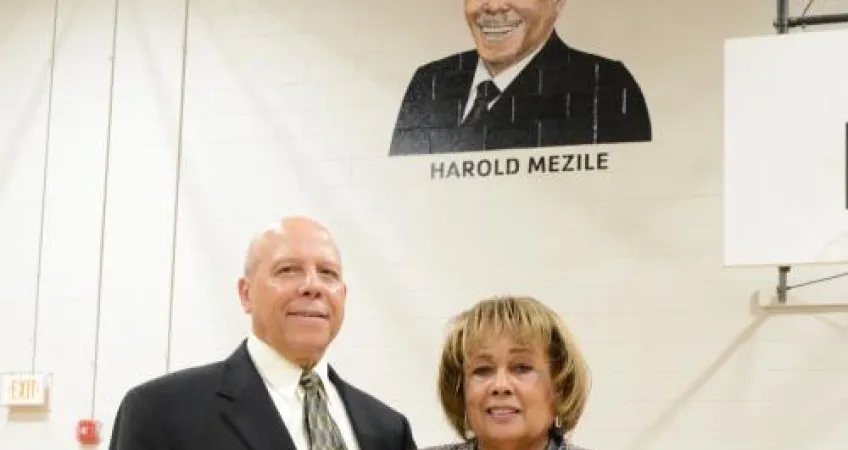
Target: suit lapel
(464,80)
(530,82)
(363,427)
(449,94)
(248,408)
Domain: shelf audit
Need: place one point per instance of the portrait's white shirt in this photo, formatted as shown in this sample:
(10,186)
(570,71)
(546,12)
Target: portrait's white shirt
(502,81)
(282,379)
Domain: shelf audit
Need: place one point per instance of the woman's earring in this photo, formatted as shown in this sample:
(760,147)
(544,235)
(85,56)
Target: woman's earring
(558,422)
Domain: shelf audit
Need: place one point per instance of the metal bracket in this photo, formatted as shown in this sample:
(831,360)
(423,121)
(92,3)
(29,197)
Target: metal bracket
(783,286)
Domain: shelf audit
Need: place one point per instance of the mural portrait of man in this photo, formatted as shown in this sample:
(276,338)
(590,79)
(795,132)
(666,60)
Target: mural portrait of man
(521,87)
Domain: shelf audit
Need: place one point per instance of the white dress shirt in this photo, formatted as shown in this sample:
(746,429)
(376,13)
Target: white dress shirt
(282,378)
(502,81)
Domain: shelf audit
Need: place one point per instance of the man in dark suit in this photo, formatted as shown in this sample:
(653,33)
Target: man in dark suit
(276,391)
(521,87)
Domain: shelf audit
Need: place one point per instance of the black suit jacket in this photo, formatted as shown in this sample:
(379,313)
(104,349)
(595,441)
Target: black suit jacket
(226,406)
(562,97)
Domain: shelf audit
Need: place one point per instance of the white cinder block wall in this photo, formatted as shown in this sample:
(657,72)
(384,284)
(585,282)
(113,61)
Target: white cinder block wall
(288,109)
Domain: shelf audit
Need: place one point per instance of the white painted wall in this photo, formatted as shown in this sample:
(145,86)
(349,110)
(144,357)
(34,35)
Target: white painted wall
(632,258)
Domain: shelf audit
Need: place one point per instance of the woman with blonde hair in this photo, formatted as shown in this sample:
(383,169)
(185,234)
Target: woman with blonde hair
(511,377)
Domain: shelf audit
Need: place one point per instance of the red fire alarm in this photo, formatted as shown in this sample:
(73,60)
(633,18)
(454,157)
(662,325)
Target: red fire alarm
(88,432)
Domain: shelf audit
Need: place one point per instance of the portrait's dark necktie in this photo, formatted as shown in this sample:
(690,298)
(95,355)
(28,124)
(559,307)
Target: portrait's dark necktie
(321,430)
(486,92)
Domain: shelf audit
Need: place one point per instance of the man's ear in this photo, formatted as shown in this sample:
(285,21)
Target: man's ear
(244,294)
(344,291)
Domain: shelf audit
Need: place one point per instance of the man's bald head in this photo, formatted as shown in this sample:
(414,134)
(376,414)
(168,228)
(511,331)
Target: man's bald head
(289,227)
(294,289)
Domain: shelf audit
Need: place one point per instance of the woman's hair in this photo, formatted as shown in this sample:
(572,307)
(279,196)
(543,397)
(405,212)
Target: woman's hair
(528,321)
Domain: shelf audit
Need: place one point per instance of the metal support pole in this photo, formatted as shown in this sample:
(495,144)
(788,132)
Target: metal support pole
(782,285)
(782,22)
(823,19)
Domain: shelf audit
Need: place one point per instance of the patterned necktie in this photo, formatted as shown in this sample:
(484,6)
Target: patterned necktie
(321,430)
(486,92)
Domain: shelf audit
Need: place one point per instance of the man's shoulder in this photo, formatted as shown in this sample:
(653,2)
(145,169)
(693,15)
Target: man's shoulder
(457,62)
(368,404)
(584,55)
(583,65)
(180,381)
(366,400)
(576,60)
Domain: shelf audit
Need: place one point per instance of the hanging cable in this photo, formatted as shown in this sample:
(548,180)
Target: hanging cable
(103,205)
(806,10)
(177,186)
(44,165)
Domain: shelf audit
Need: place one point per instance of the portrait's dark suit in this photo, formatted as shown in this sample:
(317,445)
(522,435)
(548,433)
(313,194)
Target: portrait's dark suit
(563,97)
(226,406)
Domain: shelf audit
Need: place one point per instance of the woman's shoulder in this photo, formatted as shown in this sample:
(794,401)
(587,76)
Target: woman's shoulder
(570,446)
(470,446)
(460,446)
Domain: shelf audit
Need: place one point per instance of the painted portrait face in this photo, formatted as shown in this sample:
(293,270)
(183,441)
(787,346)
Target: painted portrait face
(509,392)
(505,31)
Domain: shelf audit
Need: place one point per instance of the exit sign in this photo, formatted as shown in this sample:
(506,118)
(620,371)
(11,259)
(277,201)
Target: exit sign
(24,389)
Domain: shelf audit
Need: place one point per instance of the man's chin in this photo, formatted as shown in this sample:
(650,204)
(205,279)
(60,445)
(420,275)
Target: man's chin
(500,54)
(312,347)
(497,62)
(313,339)
(310,338)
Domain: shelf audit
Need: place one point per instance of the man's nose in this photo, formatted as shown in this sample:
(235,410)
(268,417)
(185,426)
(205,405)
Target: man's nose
(311,284)
(494,6)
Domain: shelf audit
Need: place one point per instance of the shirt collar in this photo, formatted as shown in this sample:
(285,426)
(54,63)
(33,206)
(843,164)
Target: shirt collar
(280,374)
(505,78)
